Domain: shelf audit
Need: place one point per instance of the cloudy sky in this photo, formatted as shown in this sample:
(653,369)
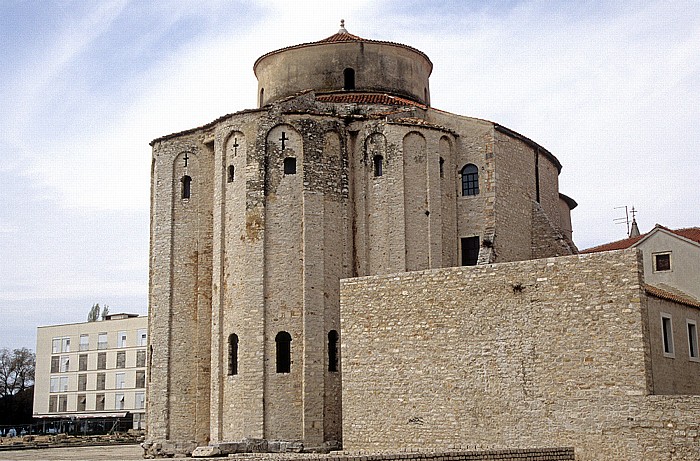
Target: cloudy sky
(611,88)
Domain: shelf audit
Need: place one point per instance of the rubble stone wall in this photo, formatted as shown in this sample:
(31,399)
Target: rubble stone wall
(549,352)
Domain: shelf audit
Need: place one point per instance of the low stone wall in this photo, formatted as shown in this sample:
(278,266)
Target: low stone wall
(534,353)
(530,454)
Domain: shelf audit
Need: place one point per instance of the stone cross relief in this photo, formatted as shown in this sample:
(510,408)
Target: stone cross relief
(235,146)
(283,139)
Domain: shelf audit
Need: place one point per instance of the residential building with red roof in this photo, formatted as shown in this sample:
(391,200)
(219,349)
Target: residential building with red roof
(671,259)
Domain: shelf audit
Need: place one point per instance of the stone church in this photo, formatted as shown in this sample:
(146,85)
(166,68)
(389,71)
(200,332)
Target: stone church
(344,170)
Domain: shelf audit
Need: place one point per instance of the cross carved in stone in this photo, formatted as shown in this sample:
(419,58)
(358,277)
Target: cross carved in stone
(186,157)
(283,139)
(235,146)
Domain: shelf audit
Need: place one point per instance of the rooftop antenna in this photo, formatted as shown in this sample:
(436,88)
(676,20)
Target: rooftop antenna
(625,220)
(632,228)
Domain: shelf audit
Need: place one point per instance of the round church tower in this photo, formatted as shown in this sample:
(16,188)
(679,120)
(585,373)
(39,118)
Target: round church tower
(344,63)
(343,171)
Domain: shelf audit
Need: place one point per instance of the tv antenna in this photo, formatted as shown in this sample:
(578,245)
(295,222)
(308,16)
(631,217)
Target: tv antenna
(626,219)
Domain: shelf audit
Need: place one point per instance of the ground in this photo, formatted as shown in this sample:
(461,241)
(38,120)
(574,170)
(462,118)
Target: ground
(121,452)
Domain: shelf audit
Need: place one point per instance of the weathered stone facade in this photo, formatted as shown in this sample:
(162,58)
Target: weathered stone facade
(551,352)
(257,216)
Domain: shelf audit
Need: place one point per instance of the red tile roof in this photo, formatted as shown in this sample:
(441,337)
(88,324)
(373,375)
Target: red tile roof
(691,233)
(368,98)
(339,37)
(342,37)
(669,296)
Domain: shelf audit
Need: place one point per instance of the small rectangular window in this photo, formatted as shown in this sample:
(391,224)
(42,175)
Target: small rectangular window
(100,382)
(81,402)
(141,358)
(101,360)
(290,165)
(65,345)
(693,340)
(65,363)
(121,359)
(119,380)
(140,401)
(63,384)
(62,403)
(56,346)
(102,341)
(118,401)
(55,363)
(100,402)
(140,379)
(53,403)
(82,362)
(121,339)
(143,337)
(84,342)
(662,262)
(667,335)
(82,382)
(54,384)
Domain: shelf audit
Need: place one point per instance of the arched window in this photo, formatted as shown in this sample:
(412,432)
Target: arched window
(349,79)
(231,173)
(470,179)
(262,96)
(283,342)
(378,165)
(186,187)
(233,354)
(332,350)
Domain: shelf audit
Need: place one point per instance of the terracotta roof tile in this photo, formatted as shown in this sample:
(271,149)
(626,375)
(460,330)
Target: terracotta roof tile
(691,233)
(368,98)
(678,296)
(342,37)
(618,245)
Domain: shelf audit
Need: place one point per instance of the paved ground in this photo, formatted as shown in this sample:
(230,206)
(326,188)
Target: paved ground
(120,452)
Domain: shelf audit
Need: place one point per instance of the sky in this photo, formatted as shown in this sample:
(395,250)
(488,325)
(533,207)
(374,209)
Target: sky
(611,88)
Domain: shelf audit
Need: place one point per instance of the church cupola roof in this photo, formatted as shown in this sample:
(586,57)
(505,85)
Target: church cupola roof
(346,63)
(342,36)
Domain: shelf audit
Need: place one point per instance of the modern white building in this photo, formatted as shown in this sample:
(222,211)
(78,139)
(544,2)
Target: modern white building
(93,371)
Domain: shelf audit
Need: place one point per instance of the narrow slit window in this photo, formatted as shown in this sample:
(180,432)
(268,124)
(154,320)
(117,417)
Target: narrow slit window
(470,180)
(231,173)
(186,187)
(442,167)
(667,334)
(332,350)
(349,79)
(290,165)
(693,340)
(233,354)
(262,96)
(283,342)
(378,166)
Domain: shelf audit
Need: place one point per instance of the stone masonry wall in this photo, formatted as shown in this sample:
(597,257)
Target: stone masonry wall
(550,352)
(541,454)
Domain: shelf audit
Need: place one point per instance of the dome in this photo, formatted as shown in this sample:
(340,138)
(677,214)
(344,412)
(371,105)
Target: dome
(344,62)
